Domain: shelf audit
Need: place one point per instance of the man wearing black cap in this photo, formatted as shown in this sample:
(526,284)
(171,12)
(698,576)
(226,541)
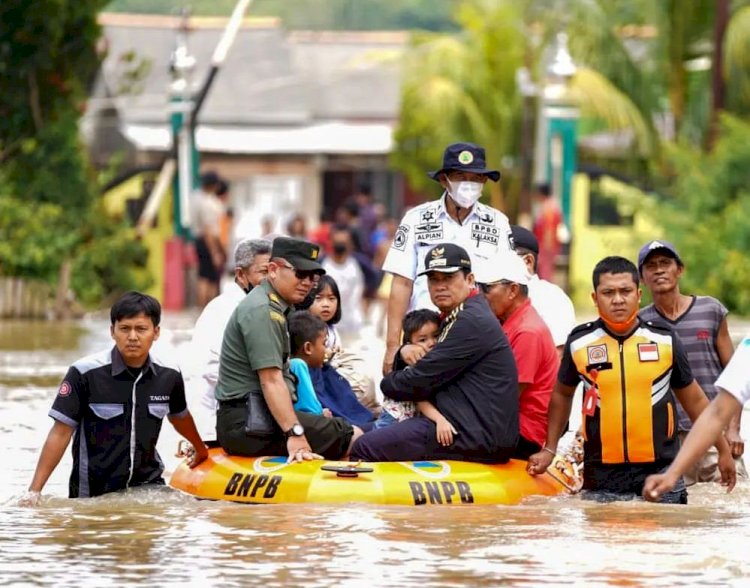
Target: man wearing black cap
(470,376)
(256,390)
(457,217)
(548,299)
(701,323)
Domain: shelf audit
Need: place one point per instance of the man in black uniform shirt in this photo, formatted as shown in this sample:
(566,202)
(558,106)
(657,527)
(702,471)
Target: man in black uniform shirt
(112,404)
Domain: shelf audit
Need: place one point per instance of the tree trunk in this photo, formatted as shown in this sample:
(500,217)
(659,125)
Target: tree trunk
(717,76)
(34,104)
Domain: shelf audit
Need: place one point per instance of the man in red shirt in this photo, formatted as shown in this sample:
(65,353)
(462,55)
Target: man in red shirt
(505,285)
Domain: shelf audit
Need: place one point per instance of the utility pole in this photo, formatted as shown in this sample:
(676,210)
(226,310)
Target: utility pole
(183,157)
(182,66)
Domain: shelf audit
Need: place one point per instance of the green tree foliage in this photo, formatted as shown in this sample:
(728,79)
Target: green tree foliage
(736,64)
(706,215)
(35,237)
(461,88)
(46,66)
(49,209)
(108,260)
(30,244)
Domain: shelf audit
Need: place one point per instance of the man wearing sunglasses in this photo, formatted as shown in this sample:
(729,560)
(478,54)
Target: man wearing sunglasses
(256,390)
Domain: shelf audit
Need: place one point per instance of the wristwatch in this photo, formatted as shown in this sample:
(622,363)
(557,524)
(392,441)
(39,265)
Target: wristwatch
(297,430)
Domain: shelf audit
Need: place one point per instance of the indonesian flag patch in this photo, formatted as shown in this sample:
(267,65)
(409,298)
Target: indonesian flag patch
(648,352)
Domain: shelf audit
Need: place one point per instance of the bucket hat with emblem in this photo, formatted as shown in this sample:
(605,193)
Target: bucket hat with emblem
(466,157)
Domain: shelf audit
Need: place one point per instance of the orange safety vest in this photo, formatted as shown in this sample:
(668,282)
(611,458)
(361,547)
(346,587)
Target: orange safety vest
(634,416)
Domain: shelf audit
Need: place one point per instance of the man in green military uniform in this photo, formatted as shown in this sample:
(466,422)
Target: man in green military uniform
(256,390)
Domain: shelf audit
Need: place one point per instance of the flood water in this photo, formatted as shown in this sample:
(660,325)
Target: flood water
(158,537)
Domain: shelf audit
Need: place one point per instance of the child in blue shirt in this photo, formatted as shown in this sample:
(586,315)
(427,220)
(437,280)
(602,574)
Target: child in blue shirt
(307,337)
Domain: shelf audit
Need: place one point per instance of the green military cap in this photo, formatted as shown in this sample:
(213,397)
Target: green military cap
(303,255)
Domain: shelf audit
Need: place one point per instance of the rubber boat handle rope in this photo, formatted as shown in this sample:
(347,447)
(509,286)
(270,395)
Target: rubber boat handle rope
(184,449)
(567,473)
(347,471)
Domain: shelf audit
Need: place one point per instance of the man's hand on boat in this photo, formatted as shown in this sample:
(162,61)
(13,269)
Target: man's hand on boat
(540,461)
(299,449)
(198,455)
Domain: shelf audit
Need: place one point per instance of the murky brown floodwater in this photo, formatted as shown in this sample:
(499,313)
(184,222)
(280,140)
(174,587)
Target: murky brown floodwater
(160,537)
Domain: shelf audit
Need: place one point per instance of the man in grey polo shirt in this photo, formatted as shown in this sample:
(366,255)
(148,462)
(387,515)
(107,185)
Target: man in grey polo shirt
(256,390)
(701,323)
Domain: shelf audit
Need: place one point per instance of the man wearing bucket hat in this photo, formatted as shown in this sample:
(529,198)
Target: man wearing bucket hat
(256,390)
(701,323)
(470,376)
(457,217)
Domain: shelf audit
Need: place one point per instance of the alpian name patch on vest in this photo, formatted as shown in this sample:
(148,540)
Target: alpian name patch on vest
(482,233)
(428,232)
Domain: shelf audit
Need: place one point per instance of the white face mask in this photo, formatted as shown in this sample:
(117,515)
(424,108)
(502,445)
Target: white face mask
(465,194)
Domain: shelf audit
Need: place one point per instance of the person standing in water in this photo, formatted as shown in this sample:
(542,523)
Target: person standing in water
(112,405)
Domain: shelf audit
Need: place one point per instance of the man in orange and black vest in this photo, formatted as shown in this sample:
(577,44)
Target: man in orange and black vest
(631,369)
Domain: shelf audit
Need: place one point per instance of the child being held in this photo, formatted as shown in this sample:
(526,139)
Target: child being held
(324,301)
(307,336)
(420,327)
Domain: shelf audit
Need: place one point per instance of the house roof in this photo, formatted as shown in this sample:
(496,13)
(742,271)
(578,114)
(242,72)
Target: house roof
(275,87)
(316,138)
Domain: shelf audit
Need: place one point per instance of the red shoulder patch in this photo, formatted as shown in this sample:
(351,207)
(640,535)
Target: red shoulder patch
(65,389)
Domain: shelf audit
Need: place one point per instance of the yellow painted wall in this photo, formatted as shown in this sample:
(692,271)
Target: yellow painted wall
(155,238)
(591,243)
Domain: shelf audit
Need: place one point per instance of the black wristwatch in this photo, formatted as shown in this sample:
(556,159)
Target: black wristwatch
(297,430)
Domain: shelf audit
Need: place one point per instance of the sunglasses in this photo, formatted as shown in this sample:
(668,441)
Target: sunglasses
(486,287)
(302,275)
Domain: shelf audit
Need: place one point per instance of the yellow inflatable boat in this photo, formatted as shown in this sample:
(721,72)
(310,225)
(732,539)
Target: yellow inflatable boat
(272,480)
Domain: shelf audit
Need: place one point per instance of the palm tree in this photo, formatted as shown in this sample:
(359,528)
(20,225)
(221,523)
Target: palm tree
(464,87)
(461,87)
(736,62)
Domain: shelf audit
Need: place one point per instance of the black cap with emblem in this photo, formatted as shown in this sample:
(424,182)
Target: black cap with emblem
(466,157)
(446,258)
(303,255)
